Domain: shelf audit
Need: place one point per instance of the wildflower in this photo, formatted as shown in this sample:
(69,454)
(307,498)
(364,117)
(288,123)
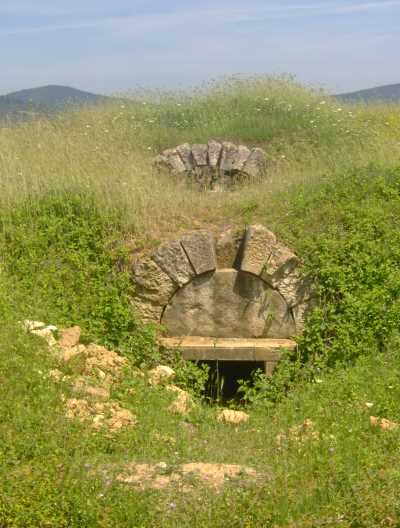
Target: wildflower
(369,405)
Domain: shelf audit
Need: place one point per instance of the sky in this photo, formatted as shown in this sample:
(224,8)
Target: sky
(114,46)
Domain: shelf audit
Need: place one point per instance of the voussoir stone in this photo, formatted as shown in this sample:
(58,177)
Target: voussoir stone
(255,163)
(185,152)
(174,161)
(279,264)
(214,153)
(258,244)
(199,248)
(200,154)
(172,259)
(152,282)
(242,155)
(227,247)
(228,157)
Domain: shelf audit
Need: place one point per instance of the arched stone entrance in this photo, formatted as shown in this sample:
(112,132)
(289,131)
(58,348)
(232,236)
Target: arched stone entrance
(230,294)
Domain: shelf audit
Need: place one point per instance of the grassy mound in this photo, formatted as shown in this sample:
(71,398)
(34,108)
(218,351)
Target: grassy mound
(78,196)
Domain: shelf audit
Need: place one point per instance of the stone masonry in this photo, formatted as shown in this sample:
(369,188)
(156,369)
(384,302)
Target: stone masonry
(213,166)
(223,284)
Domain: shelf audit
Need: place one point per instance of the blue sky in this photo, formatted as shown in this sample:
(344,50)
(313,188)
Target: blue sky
(110,46)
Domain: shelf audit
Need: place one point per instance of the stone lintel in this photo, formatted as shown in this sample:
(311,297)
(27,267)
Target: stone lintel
(235,349)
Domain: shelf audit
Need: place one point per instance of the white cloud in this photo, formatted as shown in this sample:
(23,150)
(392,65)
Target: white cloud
(133,25)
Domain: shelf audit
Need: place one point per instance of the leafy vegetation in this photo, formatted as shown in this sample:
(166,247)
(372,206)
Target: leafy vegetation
(78,197)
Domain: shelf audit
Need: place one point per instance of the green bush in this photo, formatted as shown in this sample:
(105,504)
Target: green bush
(63,267)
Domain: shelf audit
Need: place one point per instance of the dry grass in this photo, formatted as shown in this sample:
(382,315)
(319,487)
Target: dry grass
(107,151)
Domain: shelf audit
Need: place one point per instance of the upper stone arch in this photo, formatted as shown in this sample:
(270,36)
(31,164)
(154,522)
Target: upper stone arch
(213,166)
(228,283)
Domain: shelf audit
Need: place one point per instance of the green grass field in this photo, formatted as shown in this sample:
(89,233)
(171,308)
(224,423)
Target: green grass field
(78,196)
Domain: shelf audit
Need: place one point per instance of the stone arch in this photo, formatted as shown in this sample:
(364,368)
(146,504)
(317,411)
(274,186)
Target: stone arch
(202,268)
(213,166)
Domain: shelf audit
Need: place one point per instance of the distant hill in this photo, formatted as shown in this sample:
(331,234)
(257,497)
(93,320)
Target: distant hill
(44,100)
(386,94)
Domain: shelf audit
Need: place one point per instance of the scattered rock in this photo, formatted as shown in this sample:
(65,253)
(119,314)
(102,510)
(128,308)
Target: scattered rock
(160,374)
(66,354)
(299,433)
(110,416)
(383,423)
(56,374)
(183,403)
(232,417)
(100,358)
(42,330)
(83,385)
(156,476)
(69,337)
(30,325)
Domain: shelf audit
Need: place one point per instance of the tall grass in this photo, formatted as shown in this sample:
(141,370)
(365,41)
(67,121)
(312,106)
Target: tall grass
(108,150)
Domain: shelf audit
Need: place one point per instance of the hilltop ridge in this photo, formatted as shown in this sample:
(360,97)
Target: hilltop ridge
(389,93)
(44,100)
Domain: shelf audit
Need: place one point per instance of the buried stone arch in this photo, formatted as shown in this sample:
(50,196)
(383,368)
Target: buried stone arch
(212,166)
(229,285)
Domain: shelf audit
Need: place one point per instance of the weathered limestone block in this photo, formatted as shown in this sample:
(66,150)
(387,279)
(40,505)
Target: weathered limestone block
(228,303)
(255,163)
(227,248)
(199,248)
(258,244)
(152,283)
(173,260)
(300,313)
(174,161)
(149,313)
(200,154)
(294,287)
(161,162)
(280,263)
(228,157)
(241,157)
(185,152)
(214,153)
